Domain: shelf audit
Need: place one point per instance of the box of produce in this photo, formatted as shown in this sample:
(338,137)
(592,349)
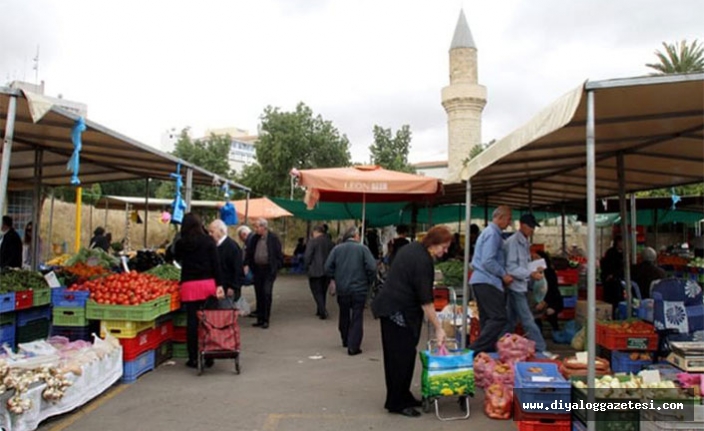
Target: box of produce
(630,362)
(166,272)
(609,389)
(124,328)
(129,296)
(41,297)
(626,335)
(7,302)
(70,316)
(93,257)
(146,311)
(24,299)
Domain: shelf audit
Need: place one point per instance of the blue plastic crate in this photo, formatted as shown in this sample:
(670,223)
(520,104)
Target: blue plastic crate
(7,302)
(546,392)
(62,297)
(29,315)
(134,369)
(666,369)
(74,333)
(569,301)
(622,363)
(7,333)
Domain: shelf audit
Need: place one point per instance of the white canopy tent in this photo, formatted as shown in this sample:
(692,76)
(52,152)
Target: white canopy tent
(601,139)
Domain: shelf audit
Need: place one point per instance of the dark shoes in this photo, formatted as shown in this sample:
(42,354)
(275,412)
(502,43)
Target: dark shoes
(323,316)
(409,412)
(354,352)
(252,314)
(262,325)
(265,325)
(192,364)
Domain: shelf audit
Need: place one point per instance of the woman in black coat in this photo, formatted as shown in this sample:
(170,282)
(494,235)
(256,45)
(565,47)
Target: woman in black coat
(406,297)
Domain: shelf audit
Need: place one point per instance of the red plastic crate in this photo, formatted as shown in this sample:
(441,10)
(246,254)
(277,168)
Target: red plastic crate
(567,314)
(617,340)
(441,297)
(145,340)
(567,277)
(179,335)
(582,293)
(24,299)
(520,415)
(166,331)
(545,425)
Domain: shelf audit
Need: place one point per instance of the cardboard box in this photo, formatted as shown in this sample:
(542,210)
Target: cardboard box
(603,311)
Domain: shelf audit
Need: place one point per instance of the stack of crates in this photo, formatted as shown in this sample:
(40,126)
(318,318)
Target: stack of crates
(179,339)
(69,314)
(540,382)
(568,282)
(138,329)
(32,324)
(628,352)
(8,325)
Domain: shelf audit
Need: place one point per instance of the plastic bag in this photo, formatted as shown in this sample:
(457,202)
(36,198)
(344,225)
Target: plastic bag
(514,348)
(579,339)
(243,306)
(484,370)
(498,402)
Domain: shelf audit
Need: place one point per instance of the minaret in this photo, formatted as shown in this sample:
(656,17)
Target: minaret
(463,100)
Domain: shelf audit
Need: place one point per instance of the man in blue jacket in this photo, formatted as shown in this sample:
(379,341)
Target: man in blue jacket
(489,277)
(353,268)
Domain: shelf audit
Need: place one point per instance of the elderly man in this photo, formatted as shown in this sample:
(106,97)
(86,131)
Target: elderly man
(488,279)
(317,251)
(353,268)
(518,258)
(647,271)
(230,259)
(264,256)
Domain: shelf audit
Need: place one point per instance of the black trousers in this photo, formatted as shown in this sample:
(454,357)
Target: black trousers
(319,288)
(192,308)
(492,316)
(399,345)
(263,291)
(351,323)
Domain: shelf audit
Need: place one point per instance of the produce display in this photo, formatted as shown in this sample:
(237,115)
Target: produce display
(127,288)
(19,380)
(628,326)
(514,348)
(18,280)
(498,401)
(145,260)
(93,257)
(59,260)
(452,272)
(85,271)
(574,367)
(166,272)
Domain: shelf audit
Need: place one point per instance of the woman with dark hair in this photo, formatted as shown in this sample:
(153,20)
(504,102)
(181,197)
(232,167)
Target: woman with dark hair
(99,239)
(197,254)
(406,297)
(551,305)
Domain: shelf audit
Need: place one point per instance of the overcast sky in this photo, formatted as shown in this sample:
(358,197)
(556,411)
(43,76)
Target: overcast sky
(144,66)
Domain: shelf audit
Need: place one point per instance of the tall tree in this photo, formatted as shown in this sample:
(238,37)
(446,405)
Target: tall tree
(290,140)
(391,151)
(210,153)
(679,58)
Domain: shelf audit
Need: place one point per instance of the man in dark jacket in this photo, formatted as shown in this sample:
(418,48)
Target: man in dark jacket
(317,252)
(11,246)
(264,255)
(353,268)
(647,271)
(230,255)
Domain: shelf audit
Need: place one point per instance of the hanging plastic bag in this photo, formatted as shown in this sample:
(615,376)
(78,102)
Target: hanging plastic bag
(243,306)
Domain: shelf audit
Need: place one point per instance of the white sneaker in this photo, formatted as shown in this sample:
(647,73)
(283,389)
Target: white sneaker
(549,354)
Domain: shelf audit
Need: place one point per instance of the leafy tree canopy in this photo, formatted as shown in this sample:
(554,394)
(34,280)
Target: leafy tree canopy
(288,140)
(391,151)
(679,58)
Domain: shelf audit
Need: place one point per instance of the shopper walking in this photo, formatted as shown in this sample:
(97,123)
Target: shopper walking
(264,257)
(317,252)
(353,268)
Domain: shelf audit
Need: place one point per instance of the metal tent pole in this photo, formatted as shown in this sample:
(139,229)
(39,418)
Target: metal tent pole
(465,272)
(50,242)
(634,231)
(625,236)
(189,188)
(591,256)
(7,150)
(146,212)
(36,213)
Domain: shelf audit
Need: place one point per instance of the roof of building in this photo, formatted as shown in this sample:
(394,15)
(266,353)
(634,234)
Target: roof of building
(463,36)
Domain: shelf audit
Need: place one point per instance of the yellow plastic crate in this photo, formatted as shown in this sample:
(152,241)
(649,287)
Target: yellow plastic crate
(124,328)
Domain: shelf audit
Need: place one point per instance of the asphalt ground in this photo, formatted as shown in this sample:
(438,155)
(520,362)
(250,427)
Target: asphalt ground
(284,384)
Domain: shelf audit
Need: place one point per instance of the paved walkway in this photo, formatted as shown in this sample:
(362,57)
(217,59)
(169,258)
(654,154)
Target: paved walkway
(281,387)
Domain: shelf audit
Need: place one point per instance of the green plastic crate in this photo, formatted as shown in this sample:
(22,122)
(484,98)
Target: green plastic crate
(34,330)
(180,350)
(69,316)
(568,291)
(180,319)
(136,313)
(41,297)
(6,318)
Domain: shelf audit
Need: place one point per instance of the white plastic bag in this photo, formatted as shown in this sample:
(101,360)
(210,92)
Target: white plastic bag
(243,306)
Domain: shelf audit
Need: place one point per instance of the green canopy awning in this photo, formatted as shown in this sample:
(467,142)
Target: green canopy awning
(648,217)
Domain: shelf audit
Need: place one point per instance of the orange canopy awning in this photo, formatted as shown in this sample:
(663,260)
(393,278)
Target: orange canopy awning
(260,208)
(364,184)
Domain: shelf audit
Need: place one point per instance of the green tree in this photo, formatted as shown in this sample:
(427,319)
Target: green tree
(679,58)
(290,140)
(209,153)
(391,151)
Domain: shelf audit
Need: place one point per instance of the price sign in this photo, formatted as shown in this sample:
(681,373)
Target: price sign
(637,343)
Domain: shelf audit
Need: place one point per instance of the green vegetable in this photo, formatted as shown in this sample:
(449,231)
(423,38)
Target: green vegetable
(96,254)
(18,280)
(166,272)
(452,272)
